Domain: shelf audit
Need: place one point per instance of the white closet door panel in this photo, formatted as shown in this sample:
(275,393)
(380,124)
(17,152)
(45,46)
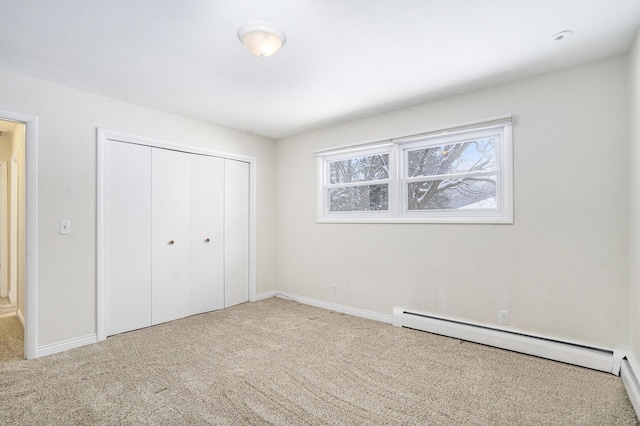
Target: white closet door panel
(170,235)
(236,232)
(207,233)
(127,236)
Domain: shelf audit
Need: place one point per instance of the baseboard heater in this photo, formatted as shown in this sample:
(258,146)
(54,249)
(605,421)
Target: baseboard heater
(594,358)
(631,385)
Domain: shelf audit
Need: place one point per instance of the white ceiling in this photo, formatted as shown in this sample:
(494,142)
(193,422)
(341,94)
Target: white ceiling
(343,59)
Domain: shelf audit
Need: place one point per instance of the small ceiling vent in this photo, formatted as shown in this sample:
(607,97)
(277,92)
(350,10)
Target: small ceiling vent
(5,133)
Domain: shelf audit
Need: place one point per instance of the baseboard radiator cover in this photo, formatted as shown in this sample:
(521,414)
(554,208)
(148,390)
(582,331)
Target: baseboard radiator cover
(594,358)
(631,384)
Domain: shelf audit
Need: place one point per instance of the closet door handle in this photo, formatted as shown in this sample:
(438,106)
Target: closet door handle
(207,240)
(171,242)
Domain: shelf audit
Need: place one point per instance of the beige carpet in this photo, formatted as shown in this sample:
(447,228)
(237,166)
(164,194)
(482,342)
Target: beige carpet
(7,308)
(280,362)
(11,339)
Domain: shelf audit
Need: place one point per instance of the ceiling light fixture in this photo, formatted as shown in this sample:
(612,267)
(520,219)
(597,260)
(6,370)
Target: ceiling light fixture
(261,38)
(560,36)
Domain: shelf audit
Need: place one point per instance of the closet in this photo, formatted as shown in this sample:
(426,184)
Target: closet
(176,234)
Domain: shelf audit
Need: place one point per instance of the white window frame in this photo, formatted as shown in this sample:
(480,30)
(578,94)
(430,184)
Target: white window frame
(397,148)
(324,177)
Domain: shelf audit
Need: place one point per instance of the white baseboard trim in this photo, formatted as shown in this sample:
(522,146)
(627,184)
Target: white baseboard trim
(631,384)
(55,348)
(594,358)
(21,317)
(362,313)
(266,295)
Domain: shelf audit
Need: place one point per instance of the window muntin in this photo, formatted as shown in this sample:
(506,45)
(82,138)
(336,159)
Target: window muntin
(458,175)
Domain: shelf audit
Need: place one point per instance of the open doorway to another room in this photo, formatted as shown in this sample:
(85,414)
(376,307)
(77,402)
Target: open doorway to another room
(12,240)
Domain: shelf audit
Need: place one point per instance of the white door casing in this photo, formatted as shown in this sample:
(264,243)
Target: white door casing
(4,230)
(13,231)
(236,231)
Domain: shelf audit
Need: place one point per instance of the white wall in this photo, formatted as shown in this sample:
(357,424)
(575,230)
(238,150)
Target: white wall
(634,232)
(561,270)
(67,122)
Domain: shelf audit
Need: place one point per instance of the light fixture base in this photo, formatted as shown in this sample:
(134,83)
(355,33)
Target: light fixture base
(560,36)
(261,38)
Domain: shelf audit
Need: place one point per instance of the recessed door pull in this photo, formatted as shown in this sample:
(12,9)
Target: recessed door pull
(171,242)
(206,240)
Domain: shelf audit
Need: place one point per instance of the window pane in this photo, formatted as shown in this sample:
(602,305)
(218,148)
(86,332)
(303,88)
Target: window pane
(359,169)
(462,157)
(464,194)
(359,198)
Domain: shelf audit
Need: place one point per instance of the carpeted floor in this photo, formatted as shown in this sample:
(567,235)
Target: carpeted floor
(7,308)
(11,339)
(280,362)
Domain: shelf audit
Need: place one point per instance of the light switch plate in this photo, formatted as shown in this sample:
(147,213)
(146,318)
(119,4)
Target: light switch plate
(65,227)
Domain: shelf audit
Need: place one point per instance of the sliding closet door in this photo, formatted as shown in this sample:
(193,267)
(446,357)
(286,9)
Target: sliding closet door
(207,233)
(170,239)
(127,210)
(236,232)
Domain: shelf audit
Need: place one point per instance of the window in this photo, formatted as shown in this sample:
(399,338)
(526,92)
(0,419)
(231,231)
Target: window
(359,184)
(458,175)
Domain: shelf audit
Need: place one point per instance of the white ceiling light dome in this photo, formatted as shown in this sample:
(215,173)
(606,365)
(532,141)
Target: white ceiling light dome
(261,38)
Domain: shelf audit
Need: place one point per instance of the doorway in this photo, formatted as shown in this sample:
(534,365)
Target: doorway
(12,239)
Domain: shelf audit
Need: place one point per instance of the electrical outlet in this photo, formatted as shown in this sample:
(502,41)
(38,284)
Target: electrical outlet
(503,317)
(334,288)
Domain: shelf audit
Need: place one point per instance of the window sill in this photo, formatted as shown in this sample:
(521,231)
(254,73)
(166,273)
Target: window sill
(499,220)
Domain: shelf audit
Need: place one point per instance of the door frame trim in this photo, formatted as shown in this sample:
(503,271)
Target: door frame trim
(103,136)
(14,226)
(4,229)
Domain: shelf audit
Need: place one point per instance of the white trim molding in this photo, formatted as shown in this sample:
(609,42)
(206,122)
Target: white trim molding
(104,134)
(21,317)
(357,312)
(66,345)
(594,358)
(631,384)
(265,295)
